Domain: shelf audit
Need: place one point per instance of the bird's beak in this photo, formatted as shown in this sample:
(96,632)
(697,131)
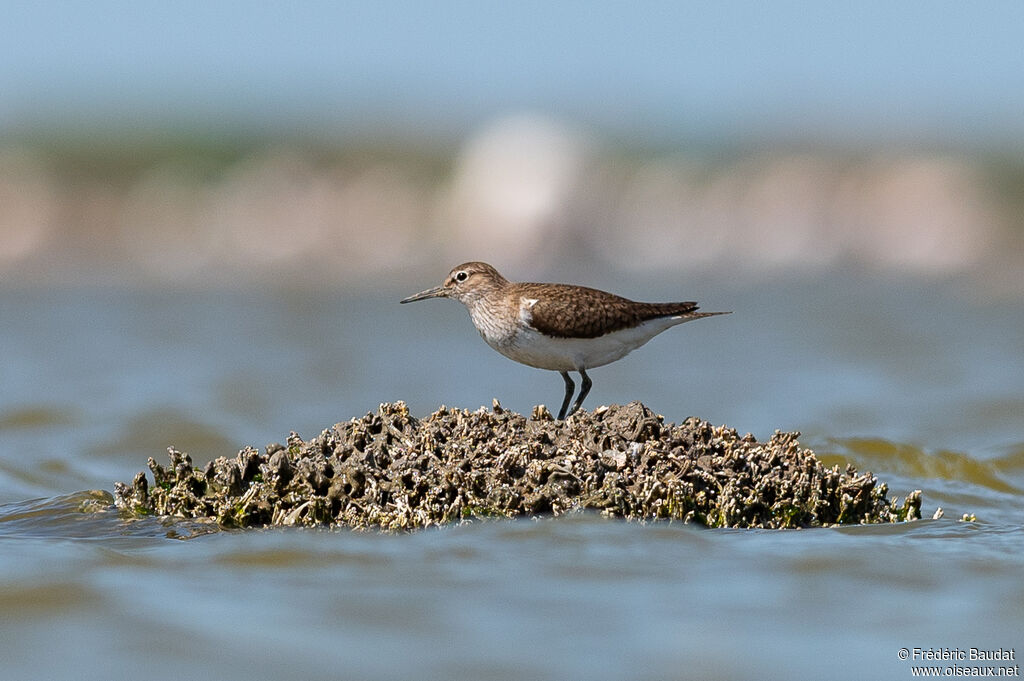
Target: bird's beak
(436,292)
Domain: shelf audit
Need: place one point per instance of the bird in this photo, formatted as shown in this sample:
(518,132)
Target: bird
(558,327)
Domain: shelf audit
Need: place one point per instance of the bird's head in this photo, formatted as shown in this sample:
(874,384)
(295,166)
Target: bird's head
(466,283)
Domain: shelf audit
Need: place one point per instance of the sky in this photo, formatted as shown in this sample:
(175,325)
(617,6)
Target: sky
(936,71)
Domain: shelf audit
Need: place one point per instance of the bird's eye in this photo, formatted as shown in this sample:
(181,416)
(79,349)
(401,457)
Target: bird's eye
(461,276)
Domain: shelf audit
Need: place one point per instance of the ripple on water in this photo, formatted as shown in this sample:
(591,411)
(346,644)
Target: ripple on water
(912,461)
(88,516)
(81,514)
(37,416)
(484,597)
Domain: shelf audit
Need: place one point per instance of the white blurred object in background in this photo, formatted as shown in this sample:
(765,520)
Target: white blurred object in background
(510,187)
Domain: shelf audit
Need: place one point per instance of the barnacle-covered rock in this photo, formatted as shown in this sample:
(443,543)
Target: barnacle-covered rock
(391,471)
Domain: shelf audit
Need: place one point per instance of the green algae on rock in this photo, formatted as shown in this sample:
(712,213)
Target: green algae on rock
(391,471)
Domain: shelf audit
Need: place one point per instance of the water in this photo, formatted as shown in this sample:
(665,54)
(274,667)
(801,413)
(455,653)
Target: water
(920,383)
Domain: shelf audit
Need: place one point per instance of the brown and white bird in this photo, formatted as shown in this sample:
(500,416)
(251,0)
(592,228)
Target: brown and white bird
(559,327)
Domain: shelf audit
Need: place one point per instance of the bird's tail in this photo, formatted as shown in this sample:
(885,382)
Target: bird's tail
(699,315)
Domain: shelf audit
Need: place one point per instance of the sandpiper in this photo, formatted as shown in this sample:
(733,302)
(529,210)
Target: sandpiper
(559,327)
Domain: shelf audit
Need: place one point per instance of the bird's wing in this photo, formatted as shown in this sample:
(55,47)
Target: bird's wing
(578,312)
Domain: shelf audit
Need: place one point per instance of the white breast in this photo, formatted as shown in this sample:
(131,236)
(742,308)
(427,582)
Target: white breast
(519,341)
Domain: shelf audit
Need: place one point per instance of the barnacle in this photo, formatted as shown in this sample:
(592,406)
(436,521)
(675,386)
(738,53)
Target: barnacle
(388,470)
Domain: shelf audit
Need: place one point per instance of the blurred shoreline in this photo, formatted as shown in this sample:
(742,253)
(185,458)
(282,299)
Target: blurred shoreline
(532,193)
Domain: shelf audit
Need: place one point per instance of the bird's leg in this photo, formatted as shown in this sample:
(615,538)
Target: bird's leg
(569,388)
(584,389)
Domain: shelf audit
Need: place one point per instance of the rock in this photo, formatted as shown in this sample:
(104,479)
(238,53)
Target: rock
(391,471)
